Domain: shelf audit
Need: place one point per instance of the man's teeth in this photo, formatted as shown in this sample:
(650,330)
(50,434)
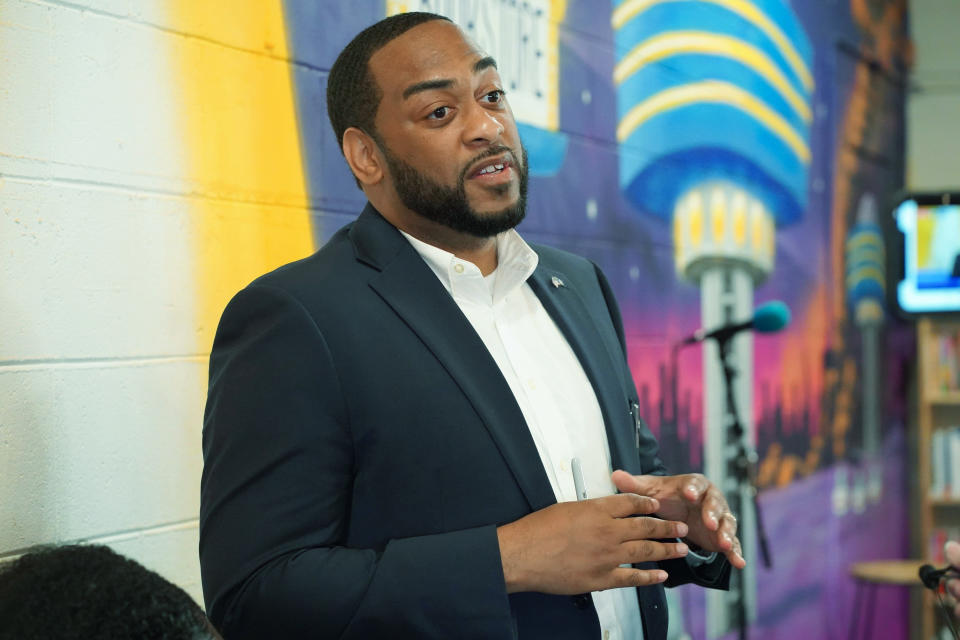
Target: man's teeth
(491,169)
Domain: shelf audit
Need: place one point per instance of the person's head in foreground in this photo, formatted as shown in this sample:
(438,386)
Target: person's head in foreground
(91,592)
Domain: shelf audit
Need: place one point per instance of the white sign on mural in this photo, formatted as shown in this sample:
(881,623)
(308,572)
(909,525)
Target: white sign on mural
(522,37)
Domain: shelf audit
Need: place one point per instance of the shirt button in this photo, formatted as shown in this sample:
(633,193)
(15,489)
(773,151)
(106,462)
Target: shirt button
(606,634)
(458,268)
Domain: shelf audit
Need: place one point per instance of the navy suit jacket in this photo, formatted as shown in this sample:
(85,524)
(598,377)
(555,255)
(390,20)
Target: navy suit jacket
(361,446)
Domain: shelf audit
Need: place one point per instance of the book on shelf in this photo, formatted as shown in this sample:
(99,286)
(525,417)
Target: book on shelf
(945,464)
(947,360)
(939,537)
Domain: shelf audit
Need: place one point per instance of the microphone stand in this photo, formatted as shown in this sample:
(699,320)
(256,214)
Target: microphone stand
(743,468)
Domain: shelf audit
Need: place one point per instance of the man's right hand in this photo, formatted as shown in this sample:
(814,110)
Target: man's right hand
(576,547)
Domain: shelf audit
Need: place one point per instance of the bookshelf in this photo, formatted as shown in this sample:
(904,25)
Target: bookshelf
(938,472)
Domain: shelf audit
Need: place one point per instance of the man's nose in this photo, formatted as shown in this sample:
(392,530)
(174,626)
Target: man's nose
(482,126)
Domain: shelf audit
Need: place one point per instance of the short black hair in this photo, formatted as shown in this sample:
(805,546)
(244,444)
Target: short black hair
(352,93)
(90,592)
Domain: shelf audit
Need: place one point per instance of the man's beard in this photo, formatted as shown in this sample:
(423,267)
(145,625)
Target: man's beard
(449,206)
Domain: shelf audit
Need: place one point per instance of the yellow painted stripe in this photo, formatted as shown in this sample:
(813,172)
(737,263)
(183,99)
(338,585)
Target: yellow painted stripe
(743,8)
(242,148)
(866,248)
(714,91)
(866,273)
(874,256)
(683,42)
(865,241)
(558,11)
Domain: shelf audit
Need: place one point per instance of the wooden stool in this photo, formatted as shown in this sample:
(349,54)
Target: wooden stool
(868,575)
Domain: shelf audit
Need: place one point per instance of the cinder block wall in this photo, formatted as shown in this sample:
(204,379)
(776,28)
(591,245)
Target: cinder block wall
(149,167)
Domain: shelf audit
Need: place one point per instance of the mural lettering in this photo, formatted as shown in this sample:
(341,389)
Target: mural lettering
(522,37)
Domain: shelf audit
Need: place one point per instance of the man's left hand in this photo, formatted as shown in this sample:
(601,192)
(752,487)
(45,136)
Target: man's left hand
(693,499)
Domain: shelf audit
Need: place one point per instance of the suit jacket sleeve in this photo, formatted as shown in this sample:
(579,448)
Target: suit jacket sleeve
(279,463)
(715,574)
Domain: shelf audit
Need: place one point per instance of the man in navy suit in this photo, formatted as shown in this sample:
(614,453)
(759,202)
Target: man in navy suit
(413,433)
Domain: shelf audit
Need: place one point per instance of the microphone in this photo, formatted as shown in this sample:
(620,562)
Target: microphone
(769,317)
(930,576)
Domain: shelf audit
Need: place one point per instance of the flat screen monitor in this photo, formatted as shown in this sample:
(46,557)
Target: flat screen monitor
(930,225)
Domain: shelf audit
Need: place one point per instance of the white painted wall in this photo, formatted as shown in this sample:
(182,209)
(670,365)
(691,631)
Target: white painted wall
(933,106)
(102,382)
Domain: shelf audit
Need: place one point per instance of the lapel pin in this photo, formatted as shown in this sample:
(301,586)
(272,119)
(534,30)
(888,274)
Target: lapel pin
(557,282)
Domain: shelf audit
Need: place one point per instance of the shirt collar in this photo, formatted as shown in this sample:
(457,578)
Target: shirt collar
(516,262)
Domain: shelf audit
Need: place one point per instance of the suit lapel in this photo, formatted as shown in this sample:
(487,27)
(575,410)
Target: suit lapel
(567,308)
(412,290)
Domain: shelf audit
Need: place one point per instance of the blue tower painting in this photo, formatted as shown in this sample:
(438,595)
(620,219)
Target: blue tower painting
(866,292)
(713,106)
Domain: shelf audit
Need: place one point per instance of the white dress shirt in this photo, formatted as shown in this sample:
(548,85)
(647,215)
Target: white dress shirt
(548,382)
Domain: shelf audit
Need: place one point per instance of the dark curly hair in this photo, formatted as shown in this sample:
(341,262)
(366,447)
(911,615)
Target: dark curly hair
(89,592)
(352,93)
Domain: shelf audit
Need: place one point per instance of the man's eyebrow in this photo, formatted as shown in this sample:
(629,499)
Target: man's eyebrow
(445,83)
(483,63)
(427,85)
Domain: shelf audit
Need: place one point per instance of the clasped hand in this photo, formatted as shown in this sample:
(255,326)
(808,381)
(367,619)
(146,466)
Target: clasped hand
(576,547)
(692,499)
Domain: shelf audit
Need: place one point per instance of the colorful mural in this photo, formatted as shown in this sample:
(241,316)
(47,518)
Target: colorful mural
(708,155)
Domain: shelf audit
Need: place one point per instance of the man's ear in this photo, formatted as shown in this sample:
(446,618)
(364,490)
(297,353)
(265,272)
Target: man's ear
(363,156)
